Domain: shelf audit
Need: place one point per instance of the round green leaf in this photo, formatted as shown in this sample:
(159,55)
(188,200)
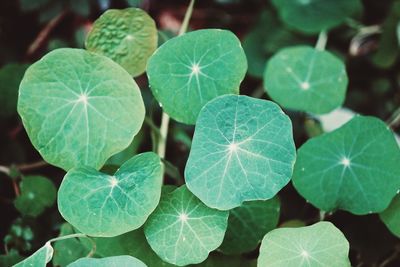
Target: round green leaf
(321,244)
(306,79)
(120,261)
(242,150)
(313,16)
(354,168)
(391,216)
(189,70)
(182,230)
(10,77)
(127,36)
(79,108)
(248,224)
(37,194)
(98,204)
(38,259)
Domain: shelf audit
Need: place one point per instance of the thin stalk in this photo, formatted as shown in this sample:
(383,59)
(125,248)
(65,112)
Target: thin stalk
(188,15)
(394,120)
(4,170)
(322,40)
(31,166)
(67,237)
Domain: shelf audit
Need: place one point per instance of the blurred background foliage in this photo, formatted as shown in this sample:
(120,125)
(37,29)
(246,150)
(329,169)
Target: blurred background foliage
(368,43)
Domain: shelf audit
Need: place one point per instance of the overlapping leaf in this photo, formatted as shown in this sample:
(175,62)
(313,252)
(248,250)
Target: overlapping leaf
(391,216)
(38,259)
(116,261)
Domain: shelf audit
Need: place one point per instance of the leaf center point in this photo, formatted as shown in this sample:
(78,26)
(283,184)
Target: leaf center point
(195,69)
(183,217)
(345,162)
(113,181)
(305,85)
(83,98)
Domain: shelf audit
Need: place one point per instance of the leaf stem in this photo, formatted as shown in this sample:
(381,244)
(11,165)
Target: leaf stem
(394,120)
(31,166)
(4,170)
(322,40)
(67,237)
(187,17)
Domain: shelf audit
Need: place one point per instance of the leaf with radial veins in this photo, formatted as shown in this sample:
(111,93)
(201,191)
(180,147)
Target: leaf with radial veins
(182,230)
(189,70)
(353,168)
(38,259)
(321,244)
(127,36)
(98,204)
(248,224)
(391,216)
(306,79)
(79,108)
(37,194)
(313,16)
(242,150)
(117,261)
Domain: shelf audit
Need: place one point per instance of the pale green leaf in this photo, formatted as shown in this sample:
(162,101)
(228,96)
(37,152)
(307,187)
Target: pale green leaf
(117,261)
(242,150)
(37,194)
(248,224)
(306,79)
(182,230)
(354,168)
(127,36)
(391,216)
(98,204)
(79,108)
(321,244)
(189,70)
(313,16)
(38,259)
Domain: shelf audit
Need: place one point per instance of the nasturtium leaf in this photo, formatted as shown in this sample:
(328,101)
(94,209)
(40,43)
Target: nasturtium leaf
(307,79)
(37,194)
(182,230)
(242,150)
(353,168)
(10,77)
(79,108)
(127,36)
(248,224)
(98,204)
(391,216)
(189,70)
(321,244)
(38,259)
(221,260)
(117,261)
(313,16)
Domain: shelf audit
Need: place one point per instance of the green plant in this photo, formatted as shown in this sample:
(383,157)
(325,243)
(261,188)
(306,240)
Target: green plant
(82,110)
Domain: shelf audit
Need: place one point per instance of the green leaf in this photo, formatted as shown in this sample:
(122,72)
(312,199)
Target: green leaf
(98,204)
(120,261)
(132,150)
(354,168)
(127,36)
(10,77)
(248,224)
(313,16)
(37,194)
(242,150)
(306,79)
(182,230)
(11,258)
(321,244)
(391,216)
(38,259)
(189,70)
(68,250)
(79,108)
(220,260)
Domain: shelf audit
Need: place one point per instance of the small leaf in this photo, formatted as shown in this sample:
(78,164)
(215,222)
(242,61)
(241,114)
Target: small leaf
(38,259)
(189,70)
(321,244)
(98,204)
(10,259)
(248,224)
(391,216)
(120,261)
(37,194)
(182,230)
(313,16)
(127,36)
(354,168)
(242,150)
(306,79)
(79,108)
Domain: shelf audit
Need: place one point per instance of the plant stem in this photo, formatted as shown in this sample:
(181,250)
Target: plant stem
(67,237)
(4,170)
(162,143)
(394,120)
(322,40)
(31,166)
